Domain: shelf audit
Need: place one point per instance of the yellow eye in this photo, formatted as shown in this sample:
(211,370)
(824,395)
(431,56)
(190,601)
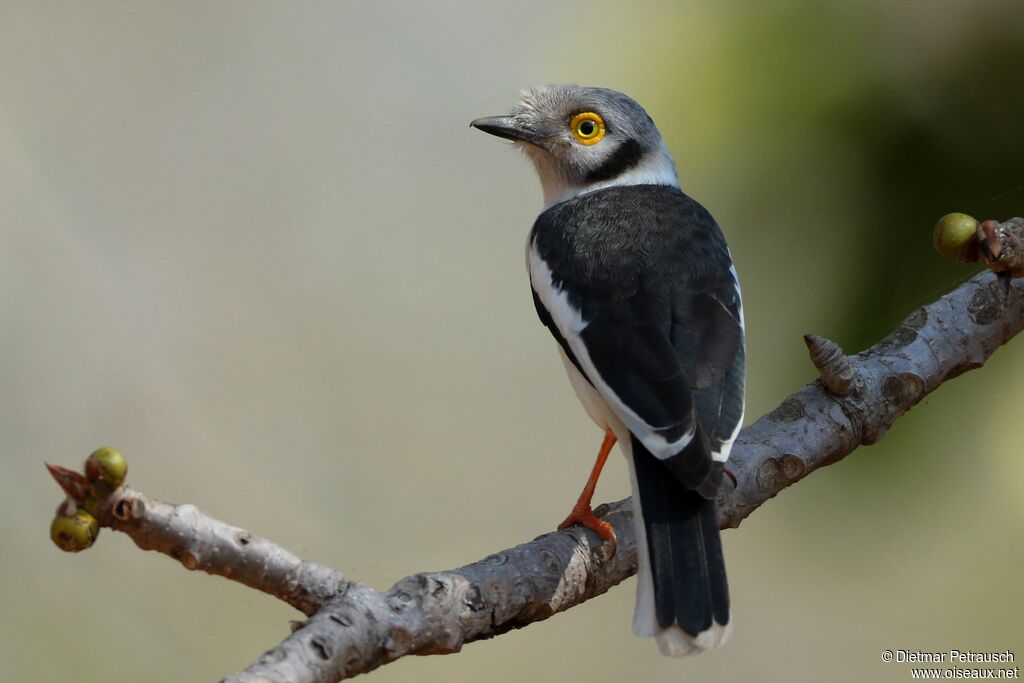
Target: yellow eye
(587,127)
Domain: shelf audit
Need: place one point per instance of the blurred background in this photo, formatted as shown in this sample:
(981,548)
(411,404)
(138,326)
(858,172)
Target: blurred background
(256,247)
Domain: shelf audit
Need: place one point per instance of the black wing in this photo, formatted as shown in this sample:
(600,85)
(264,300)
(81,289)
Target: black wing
(648,271)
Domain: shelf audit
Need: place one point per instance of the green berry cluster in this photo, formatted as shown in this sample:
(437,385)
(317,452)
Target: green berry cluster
(75,526)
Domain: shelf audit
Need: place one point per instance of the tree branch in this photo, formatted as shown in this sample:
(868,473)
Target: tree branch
(814,427)
(354,628)
(203,543)
(438,612)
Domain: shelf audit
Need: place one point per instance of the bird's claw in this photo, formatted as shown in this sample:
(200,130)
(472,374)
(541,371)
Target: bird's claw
(585,517)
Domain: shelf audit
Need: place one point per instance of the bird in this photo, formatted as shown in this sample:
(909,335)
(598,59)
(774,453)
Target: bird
(635,281)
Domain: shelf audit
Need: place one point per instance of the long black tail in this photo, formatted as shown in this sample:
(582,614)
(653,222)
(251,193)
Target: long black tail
(684,558)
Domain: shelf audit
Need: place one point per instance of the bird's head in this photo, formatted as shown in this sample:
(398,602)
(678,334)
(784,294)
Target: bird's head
(582,139)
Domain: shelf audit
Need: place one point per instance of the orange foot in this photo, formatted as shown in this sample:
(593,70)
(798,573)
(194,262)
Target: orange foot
(582,514)
(585,517)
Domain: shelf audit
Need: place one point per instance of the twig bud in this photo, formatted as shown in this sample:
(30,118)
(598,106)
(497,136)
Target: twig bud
(835,368)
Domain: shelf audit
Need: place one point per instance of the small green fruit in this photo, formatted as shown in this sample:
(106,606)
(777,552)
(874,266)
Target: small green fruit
(106,465)
(75,532)
(952,233)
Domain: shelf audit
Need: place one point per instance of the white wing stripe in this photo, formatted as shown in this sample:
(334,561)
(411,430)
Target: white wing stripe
(722,454)
(570,324)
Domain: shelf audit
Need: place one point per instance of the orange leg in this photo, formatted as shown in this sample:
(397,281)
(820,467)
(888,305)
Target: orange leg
(582,513)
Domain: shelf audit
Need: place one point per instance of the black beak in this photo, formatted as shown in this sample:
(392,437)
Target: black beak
(506,127)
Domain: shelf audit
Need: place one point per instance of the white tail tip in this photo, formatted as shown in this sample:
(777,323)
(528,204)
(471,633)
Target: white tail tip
(675,642)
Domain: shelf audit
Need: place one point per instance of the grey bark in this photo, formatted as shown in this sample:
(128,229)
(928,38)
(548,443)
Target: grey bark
(203,543)
(430,613)
(354,628)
